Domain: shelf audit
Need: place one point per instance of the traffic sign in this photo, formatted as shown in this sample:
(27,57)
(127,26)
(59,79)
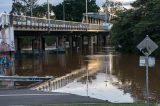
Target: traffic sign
(147,46)
(143,62)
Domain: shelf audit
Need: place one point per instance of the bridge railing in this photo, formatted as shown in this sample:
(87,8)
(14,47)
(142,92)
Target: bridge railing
(42,24)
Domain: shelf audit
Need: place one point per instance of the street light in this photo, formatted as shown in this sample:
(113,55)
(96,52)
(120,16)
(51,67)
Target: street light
(86,11)
(48,8)
(64,10)
(48,15)
(31,7)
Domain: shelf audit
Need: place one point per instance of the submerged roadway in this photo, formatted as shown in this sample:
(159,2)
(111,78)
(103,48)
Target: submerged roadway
(21,97)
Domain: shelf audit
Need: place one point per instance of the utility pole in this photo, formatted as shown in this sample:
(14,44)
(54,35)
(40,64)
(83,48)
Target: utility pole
(31,6)
(107,10)
(48,13)
(86,11)
(64,10)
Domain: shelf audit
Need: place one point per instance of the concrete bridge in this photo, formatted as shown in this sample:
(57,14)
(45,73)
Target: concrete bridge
(26,23)
(37,28)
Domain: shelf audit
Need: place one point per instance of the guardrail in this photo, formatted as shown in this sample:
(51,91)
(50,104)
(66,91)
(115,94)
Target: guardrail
(24,78)
(54,25)
(42,24)
(45,24)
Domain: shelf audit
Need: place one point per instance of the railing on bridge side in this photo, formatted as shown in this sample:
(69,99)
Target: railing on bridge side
(34,23)
(20,22)
(42,24)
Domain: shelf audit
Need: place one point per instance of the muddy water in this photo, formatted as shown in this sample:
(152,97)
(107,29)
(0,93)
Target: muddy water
(111,76)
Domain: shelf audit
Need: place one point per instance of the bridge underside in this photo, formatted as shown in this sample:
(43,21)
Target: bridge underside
(61,39)
(55,33)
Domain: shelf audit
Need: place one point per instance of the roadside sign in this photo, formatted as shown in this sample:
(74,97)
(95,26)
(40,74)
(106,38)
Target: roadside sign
(142,61)
(147,46)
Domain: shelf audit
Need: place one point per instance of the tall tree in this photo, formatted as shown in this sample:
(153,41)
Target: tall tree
(74,9)
(42,11)
(17,8)
(24,7)
(113,7)
(133,25)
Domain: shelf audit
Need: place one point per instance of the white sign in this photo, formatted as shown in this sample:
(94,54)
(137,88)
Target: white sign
(142,61)
(147,46)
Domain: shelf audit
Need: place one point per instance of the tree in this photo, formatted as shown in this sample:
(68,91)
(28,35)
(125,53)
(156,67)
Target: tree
(74,9)
(24,7)
(17,8)
(29,5)
(112,7)
(41,10)
(131,26)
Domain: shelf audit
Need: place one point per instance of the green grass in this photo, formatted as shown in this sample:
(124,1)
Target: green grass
(107,104)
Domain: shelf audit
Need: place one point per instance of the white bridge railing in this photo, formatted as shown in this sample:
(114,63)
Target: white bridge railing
(42,24)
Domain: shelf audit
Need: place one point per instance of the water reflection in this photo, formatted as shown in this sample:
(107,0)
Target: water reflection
(109,76)
(99,70)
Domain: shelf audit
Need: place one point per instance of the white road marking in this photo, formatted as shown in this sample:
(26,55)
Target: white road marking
(32,95)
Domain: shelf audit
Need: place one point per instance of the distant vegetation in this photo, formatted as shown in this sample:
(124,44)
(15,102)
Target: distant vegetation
(131,26)
(74,9)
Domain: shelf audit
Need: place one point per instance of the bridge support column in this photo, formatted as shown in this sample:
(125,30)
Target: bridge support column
(60,42)
(104,40)
(73,41)
(70,42)
(18,44)
(82,42)
(57,42)
(43,43)
(91,44)
(99,40)
(79,42)
(38,44)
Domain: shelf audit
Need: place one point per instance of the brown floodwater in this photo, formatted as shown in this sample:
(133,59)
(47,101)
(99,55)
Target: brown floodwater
(112,76)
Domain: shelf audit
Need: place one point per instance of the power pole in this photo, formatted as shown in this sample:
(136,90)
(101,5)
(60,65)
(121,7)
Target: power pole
(64,10)
(107,10)
(86,11)
(48,15)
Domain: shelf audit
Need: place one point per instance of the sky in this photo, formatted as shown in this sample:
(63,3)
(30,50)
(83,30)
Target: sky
(5,5)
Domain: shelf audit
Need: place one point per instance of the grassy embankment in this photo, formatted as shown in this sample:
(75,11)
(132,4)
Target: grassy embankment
(110,104)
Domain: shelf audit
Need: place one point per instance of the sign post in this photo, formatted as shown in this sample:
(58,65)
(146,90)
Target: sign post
(147,46)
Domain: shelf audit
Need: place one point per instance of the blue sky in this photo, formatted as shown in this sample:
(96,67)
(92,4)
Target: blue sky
(5,5)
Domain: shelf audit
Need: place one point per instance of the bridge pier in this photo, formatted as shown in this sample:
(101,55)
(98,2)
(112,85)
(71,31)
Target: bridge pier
(18,44)
(38,44)
(80,42)
(91,43)
(70,42)
(60,42)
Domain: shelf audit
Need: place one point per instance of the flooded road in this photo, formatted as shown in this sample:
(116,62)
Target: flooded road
(109,76)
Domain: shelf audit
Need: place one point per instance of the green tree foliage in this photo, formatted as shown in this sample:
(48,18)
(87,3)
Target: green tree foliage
(113,7)
(17,8)
(74,9)
(41,10)
(24,7)
(131,26)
